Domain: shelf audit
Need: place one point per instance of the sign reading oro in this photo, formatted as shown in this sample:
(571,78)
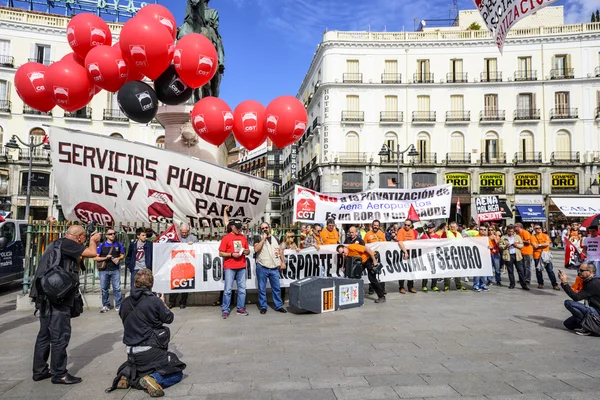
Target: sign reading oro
(528,183)
(459,180)
(491,183)
(565,183)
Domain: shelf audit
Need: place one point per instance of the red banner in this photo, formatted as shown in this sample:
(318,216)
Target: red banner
(170,235)
(572,255)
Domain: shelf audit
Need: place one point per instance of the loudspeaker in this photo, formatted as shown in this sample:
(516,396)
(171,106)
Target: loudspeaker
(354,267)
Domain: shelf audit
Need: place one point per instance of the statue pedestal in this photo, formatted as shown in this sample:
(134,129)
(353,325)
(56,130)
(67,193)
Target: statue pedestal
(172,118)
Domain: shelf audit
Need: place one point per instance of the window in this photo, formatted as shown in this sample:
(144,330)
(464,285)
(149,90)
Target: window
(352,107)
(4,50)
(563,145)
(561,103)
(352,182)
(524,72)
(352,71)
(423,104)
(7,232)
(40,184)
(112,103)
(41,54)
(526,144)
(423,71)
(490,105)
(456,70)
(4,96)
(457,103)
(389,180)
(491,147)
(1,136)
(160,142)
(391,141)
(116,135)
(490,69)
(457,143)
(38,135)
(423,146)
(525,105)
(3,187)
(390,73)
(561,65)
(352,142)
(391,105)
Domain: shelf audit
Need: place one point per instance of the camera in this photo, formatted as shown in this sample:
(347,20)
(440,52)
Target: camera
(89,231)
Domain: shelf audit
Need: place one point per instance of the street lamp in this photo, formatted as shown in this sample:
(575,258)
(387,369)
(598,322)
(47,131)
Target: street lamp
(386,152)
(12,144)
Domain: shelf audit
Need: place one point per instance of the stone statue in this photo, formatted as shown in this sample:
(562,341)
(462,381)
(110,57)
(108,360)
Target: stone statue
(199,18)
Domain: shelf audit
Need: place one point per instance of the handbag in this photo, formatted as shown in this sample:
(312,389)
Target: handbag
(77,308)
(591,322)
(101,265)
(546,256)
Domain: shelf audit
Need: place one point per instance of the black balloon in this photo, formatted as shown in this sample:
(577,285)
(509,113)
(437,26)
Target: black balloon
(138,101)
(170,89)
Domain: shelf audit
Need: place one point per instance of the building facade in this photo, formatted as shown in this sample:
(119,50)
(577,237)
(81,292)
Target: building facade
(31,36)
(521,123)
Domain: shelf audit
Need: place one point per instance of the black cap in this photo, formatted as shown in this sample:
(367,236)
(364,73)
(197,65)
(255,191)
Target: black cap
(430,225)
(235,222)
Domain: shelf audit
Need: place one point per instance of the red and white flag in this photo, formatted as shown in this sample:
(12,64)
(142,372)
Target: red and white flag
(572,255)
(458,210)
(416,220)
(170,235)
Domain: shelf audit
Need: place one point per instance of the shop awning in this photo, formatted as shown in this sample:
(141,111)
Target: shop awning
(505,209)
(532,213)
(584,206)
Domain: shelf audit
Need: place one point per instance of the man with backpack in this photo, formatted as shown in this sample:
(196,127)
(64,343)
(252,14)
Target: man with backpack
(55,290)
(110,253)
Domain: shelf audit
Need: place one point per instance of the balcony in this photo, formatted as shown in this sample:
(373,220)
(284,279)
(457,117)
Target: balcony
(36,191)
(352,78)
(351,158)
(597,72)
(528,158)
(84,113)
(565,157)
(492,116)
(491,158)
(114,115)
(423,78)
(38,154)
(316,123)
(425,159)
(353,116)
(391,117)
(563,73)
(391,78)
(564,113)
(597,113)
(391,159)
(524,114)
(455,77)
(458,116)
(491,76)
(32,111)
(5,106)
(458,158)
(525,75)
(7,61)
(423,117)
(37,60)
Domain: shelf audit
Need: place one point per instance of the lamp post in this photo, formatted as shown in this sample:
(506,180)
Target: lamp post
(386,152)
(12,144)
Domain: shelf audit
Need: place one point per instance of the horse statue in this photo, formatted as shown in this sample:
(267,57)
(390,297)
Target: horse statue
(199,18)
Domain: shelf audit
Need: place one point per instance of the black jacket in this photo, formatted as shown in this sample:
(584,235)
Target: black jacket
(131,252)
(590,292)
(138,332)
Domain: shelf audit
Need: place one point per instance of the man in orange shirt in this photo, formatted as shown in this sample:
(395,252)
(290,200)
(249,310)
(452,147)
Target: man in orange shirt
(330,235)
(541,243)
(526,251)
(373,236)
(405,234)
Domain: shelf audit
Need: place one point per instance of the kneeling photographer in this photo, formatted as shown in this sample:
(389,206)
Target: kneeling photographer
(149,365)
(355,247)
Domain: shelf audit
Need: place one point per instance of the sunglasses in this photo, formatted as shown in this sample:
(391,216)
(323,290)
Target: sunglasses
(110,234)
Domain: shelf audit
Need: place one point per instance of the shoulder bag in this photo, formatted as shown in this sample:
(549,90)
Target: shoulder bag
(546,256)
(591,322)
(101,265)
(161,336)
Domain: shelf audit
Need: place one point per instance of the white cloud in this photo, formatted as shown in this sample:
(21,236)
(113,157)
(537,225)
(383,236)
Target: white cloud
(578,11)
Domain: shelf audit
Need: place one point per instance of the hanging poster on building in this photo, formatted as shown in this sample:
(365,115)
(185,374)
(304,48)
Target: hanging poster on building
(386,205)
(107,181)
(461,183)
(528,183)
(491,183)
(564,183)
(488,208)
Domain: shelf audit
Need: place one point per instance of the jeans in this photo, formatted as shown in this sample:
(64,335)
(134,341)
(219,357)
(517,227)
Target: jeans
(133,276)
(527,263)
(52,340)
(511,271)
(549,271)
(578,311)
(373,278)
(166,381)
(479,282)
(114,278)
(239,275)
(496,266)
(272,275)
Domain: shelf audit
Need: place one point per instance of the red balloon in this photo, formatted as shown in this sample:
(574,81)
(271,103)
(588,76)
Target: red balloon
(86,31)
(30,84)
(285,120)
(69,85)
(248,124)
(195,60)
(212,120)
(107,68)
(74,57)
(162,15)
(147,46)
(133,74)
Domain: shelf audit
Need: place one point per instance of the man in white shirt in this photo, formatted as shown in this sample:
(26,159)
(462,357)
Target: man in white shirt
(591,248)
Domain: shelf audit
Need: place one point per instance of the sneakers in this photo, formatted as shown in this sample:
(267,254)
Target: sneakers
(582,332)
(117,309)
(485,288)
(476,289)
(489,283)
(425,289)
(225,314)
(462,289)
(381,300)
(446,288)
(402,291)
(154,389)
(499,284)
(242,311)
(435,289)
(371,291)
(103,310)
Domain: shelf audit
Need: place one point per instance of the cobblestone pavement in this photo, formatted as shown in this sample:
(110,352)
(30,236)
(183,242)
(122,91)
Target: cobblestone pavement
(503,344)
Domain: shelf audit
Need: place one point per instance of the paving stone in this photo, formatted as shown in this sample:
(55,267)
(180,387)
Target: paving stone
(573,395)
(315,394)
(344,382)
(483,388)
(372,370)
(395,380)
(220,387)
(290,384)
(541,386)
(410,392)
(365,393)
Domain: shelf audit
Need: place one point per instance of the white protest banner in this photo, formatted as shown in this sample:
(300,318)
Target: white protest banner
(181,267)
(110,180)
(488,208)
(386,205)
(500,15)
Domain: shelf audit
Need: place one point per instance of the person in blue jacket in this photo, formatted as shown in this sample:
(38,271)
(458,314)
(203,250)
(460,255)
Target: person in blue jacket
(139,254)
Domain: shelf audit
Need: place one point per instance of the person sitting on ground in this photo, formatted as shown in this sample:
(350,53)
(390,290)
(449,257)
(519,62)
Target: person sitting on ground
(149,366)
(589,292)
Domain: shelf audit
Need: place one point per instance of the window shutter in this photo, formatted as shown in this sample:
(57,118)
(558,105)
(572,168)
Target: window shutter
(500,147)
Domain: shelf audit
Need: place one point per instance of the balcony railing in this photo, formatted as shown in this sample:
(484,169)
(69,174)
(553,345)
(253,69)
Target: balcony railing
(423,116)
(563,73)
(526,75)
(391,116)
(391,78)
(37,154)
(565,157)
(316,123)
(564,113)
(33,111)
(37,60)
(458,116)
(457,77)
(525,114)
(491,158)
(423,78)
(597,72)
(352,78)
(7,61)
(491,76)
(114,115)
(353,116)
(492,115)
(351,158)
(391,159)
(36,191)
(597,113)
(427,158)
(528,157)
(458,158)
(84,113)
(5,106)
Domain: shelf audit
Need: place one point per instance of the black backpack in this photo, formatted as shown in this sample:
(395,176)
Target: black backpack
(53,281)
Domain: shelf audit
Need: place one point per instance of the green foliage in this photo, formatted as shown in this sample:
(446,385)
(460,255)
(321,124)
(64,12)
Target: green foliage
(474,27)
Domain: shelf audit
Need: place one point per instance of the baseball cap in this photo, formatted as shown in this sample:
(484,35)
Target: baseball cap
(236,222)
(430,225)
